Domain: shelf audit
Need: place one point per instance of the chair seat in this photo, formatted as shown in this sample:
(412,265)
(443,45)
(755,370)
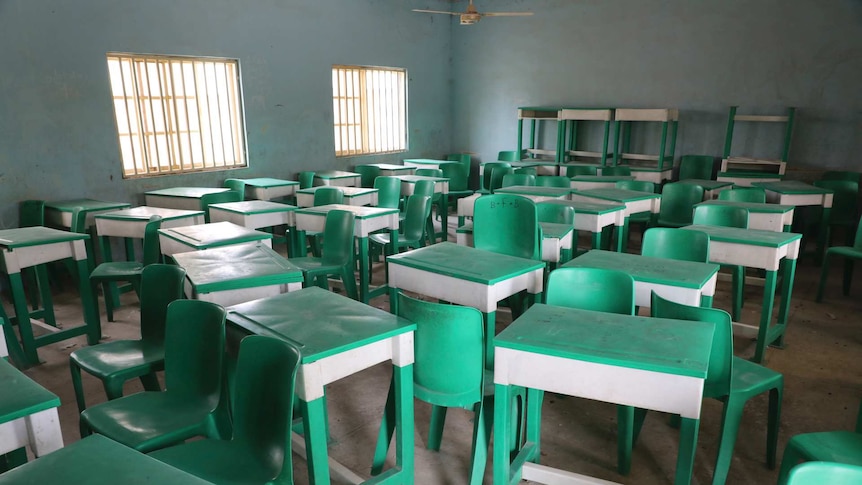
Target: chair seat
(666,223)
(382,239)
(148,421)
(749,378)
(846,251)
(120,359)
(835,446)
(454,194)
(218,461)
(312,264)
(120,270)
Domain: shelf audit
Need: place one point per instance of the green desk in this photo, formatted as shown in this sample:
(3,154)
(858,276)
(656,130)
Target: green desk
(548,167)
(586,182)
(269,188)
(186,198)
(97,460)
(253,214)
(337,337)
(207,236)
(711,188)
(534,193)
(795,193)
(767,250)
(337,178)
(650,363)
(352,196)
(237,274)
(58,214)
(686,282)
(34,246)
(441,186)
(28,414)
(766,217)
(390,169)
(466,276)
(366,221)
(427,163)
(634,201)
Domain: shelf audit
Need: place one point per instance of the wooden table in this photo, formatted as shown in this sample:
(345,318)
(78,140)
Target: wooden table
(352,196)
(34,246)
(795,193)
(269,188)
(186,198)
(97,460)
(686,282)
(634,201)
(767,250)
(28,414)
(534,193)
(586,182)
(58,214)
(338,337)
(389,169)
(366,221)
(766,217)
(237,274)
(711,188)
(650,363)
(337,178)
(466,276)
(206,236)
(441,186)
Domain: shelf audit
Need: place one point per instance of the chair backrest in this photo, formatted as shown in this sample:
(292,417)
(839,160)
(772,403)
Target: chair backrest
(617,170)
(507,224)
(161,284)
(677,203)
(508,156)
(152,249)
(602,290)
(497,174)
(487,171)
(518,179)
(448,350)
(237,185)
(367,174)
(671,243)
(823,472)
(696,167)
(31,213)
(842,175)
(553,181)
(464,158)
(263,400)
(338,238)
(527,171)
(424,187)
(744,194)
(575,170)
(557,213)
(429,172)
(457,175)
(194,349)
(845,199)
(306,179)
(417,212)
(857,242)
(720,365)
(328,195)
(721,215)
(637,185)
(388,192)
(217,198)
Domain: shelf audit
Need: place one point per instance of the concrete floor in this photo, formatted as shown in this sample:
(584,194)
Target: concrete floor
(823,386)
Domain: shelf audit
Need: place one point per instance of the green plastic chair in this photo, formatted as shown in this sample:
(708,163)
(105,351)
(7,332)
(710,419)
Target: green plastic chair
(128,271)
(508,156)
(727,216)
(518,179)
(696,167)
(575,170)
(833,446)
(118,361)
(237,185)
(507,224)
(367,174)
(192,403)
(842,175)
(259,451)
(670,243)
(412,233)
(429,172)
(527,171)
(677,204)
(448,371)
(597,289)
(729,379)
(616,170)
(845,200)
(850,254)
(306,179)
(218,198)
(425,188)
(497,175)
(553,181)
(464,158)
(328,195)
(820,473)
(488,171)
(744,194)
(388,192)
(556,213)
(636,185)
(337,254)
(457,175)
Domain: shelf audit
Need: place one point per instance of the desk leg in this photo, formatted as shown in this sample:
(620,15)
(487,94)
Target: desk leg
(687,446)
(623,236)
(403,376)
(444,209)
(44,283)
(490,331)
(364,273)
(393,249)
(502,413)
(91,314)
(788,275)
(314,431)
(765,316)
(823,235)
(22,315)
(301,249)
(111,287)
(597,239)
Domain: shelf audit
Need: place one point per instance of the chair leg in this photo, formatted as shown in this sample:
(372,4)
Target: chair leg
(848,275)
(151,382)
(435,429)
(77,386)
(774,421)
(113,388)
(482,422)
(791,457)
(730,421)
(349,281)
(738,291)
(384,437)
(109,300)
(824,275)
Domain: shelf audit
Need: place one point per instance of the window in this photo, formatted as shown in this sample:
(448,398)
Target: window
(177,114)
(370,110)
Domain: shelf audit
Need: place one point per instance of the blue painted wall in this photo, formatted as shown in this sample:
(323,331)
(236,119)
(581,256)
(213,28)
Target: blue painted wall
(57,134)
(698,56)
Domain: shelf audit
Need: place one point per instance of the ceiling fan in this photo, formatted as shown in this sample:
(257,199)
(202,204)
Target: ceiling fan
(471,16)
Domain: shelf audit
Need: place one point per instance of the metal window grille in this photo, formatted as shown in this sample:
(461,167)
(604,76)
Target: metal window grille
(177,114)
(370,110)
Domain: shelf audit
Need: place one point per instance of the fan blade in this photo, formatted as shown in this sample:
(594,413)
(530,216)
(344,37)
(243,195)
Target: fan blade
(506,14)
(437,11)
